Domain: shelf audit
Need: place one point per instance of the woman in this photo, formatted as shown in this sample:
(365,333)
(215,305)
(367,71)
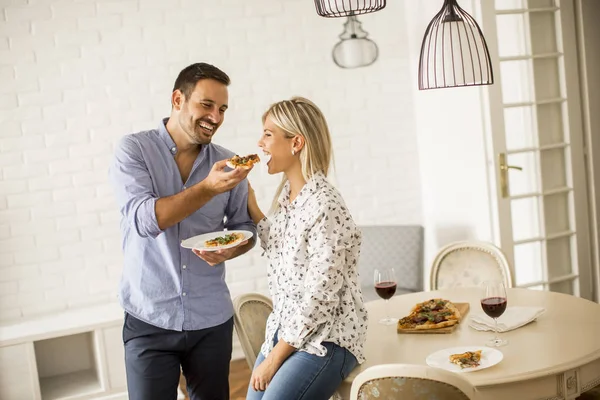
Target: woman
(316,332)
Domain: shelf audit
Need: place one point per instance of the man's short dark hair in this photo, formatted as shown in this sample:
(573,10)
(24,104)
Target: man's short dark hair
(190,75)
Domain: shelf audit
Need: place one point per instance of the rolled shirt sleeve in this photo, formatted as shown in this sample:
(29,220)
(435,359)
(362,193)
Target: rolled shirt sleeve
(327,243)
(133,188)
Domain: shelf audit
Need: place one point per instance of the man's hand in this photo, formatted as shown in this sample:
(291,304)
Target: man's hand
(219,181)
(262,375)
(171,210)
(217,257)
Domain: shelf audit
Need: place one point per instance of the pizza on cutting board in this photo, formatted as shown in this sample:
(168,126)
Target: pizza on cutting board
(431,314)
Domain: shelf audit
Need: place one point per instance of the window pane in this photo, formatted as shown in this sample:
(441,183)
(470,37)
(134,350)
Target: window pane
(525,218)
(516,81)
(528,263)
(547,79)
(556,211)
(553,169)
(511,28)
(550,124)
(541,3)
(543,32)
(519,127)
(510,4)
(559,257)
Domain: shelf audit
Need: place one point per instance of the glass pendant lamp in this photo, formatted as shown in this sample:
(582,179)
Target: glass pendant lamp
(355,49)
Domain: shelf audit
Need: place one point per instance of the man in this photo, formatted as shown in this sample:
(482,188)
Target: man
(171,183)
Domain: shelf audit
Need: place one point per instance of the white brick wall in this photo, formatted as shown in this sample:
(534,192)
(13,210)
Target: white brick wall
(77,75)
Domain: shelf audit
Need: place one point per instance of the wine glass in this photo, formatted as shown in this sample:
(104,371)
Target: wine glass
(385,286)
(493,303)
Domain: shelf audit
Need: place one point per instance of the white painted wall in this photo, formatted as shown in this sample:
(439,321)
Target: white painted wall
(77,75)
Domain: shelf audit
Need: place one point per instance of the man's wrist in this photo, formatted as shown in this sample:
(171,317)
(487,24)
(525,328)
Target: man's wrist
(243,248)
(203,189)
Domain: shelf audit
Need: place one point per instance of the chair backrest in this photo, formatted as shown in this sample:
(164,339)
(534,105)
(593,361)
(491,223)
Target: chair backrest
(251,311)
(410,382)
(468,264)
(396,246)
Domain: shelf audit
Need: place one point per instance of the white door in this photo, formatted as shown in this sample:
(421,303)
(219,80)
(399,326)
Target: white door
(537,143)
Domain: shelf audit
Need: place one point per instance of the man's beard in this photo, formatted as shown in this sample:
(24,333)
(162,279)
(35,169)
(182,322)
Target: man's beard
(196,132)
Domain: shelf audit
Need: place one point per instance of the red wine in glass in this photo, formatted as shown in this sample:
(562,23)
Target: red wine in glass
(385,290)
(385,286)
(494,307)
(493,303)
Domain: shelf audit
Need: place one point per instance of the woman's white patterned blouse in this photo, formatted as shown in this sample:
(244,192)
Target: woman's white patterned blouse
(313,246)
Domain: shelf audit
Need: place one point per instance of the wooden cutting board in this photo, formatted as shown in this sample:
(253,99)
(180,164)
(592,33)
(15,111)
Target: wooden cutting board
(463,308)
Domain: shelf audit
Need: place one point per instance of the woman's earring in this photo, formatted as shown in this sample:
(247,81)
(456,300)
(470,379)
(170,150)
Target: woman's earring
(293,152)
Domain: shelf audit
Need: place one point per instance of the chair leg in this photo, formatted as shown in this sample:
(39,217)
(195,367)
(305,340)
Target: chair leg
(183,386)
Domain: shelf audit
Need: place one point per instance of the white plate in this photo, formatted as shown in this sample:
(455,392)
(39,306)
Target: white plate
(441,359)
(197,242)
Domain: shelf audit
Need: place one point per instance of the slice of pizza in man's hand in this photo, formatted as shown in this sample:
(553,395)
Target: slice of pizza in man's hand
(243,162)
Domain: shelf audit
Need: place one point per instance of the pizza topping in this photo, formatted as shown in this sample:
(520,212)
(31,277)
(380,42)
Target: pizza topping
(469,359)
(246,161)
(224,240)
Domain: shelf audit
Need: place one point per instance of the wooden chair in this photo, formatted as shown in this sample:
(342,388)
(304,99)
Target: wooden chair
(468,264)
(410,382)
(250,314)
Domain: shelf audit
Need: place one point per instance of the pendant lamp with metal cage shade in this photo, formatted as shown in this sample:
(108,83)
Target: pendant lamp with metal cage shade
(346,8)
(454,52)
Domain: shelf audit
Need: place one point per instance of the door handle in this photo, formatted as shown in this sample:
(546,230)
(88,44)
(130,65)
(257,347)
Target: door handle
(504,167)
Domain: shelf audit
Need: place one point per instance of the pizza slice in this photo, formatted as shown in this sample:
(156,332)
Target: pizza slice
(468,359)
(243,162)
(224,240)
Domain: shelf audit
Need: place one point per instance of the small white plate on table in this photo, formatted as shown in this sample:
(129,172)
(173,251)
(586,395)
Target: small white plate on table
(197,242)
(441,358)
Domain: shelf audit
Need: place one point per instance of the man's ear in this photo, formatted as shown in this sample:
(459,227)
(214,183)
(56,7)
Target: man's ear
(177,99)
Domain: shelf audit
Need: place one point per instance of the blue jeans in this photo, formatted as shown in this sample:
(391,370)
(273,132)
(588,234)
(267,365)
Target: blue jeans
(306,376)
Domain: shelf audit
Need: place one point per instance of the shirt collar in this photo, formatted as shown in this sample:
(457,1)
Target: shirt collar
(166,137)
(313,184)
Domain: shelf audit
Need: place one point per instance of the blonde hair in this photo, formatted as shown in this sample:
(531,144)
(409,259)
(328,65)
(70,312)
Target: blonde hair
(300,116)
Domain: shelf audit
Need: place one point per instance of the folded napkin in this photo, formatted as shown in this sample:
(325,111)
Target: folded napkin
(513,318)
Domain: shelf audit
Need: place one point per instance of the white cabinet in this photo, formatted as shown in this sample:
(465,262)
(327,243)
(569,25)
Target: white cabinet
(115,357)
(76,355)
(18,376)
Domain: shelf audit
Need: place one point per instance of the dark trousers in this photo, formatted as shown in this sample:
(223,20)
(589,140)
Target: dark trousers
(154,358)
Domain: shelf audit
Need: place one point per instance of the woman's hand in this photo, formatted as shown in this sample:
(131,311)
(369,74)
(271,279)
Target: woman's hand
(253,209)
(262,375)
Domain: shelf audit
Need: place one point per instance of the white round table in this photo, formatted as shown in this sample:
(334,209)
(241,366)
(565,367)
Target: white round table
(556,357)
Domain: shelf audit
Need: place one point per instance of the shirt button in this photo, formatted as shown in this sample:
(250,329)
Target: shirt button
(184,267)
(184,294)
(185,187)
(173,150)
